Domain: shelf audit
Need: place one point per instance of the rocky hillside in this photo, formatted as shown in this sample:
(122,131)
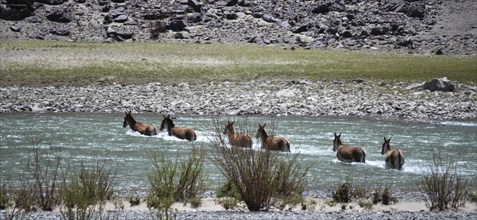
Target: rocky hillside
(404,26)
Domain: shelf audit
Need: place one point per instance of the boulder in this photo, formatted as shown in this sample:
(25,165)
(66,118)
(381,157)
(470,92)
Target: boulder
(62,14)
(441,84)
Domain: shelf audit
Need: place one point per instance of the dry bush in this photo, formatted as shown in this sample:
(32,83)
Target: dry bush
(45,167)
(349,190)
(262,178)
(443,188)
(173,180)
(251,172)
(85,188)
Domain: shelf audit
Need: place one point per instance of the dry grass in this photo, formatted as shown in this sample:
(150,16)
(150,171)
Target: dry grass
(46,62)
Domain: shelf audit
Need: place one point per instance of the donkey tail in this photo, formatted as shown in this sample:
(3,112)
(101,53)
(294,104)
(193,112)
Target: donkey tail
(193,136)
(401,158)
(364,156)
(288,145)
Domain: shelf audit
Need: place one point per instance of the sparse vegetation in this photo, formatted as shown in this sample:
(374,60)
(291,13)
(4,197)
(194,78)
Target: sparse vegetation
(130,63)
(443,188)
(348,190)
(309,204)
(473,197)
(4,200)
(45,168)
(134,199)
(365,204)
(173,180)
(85,188)
(261,178)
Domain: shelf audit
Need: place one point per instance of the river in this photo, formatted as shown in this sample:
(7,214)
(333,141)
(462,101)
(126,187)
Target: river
(93,137)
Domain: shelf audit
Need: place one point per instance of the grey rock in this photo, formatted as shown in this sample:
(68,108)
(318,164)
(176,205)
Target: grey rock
(121,18)
(15,28)
(441,84)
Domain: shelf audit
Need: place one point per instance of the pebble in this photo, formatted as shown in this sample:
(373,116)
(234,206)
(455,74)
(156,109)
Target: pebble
(321,98)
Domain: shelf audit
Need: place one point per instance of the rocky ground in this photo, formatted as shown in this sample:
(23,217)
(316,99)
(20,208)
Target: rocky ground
(409,206)
(404,26)
(321,98)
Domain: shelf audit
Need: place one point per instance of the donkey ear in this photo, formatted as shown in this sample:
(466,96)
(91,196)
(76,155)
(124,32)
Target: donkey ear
(384,139)
(389,139)
(264,124)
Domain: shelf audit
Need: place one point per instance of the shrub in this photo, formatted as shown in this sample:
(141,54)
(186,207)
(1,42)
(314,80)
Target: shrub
(443,187)
(228,202)
(45,168)
(473,197)
(195,202)
(259,176)
(174,181)
(387,197)
(365,204)
(4,201)
(85,188)
(348,190)
(134,199)
(330,202)
(228,189)
(343,192)
(309,204)
(19,200)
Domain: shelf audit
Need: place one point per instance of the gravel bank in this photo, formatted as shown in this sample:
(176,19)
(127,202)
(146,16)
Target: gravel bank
(283,215)
(410,206)
(321,98)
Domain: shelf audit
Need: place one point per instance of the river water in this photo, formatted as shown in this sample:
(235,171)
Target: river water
(93,137)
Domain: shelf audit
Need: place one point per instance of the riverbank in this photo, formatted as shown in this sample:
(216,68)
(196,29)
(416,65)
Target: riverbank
(359,98)
(210,209)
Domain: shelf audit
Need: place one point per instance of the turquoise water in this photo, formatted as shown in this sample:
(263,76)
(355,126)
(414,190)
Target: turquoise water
(92,137)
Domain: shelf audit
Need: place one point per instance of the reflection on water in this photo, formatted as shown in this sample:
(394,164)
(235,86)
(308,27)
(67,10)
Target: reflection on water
(89,137)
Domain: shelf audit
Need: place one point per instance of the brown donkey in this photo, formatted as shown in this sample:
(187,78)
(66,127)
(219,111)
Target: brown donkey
(181,133)
(347,153)
(394,158)
(272,143)
(237,139)
(144,129)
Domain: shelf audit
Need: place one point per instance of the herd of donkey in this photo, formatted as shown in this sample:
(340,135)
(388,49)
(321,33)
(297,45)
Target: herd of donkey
(393,159)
